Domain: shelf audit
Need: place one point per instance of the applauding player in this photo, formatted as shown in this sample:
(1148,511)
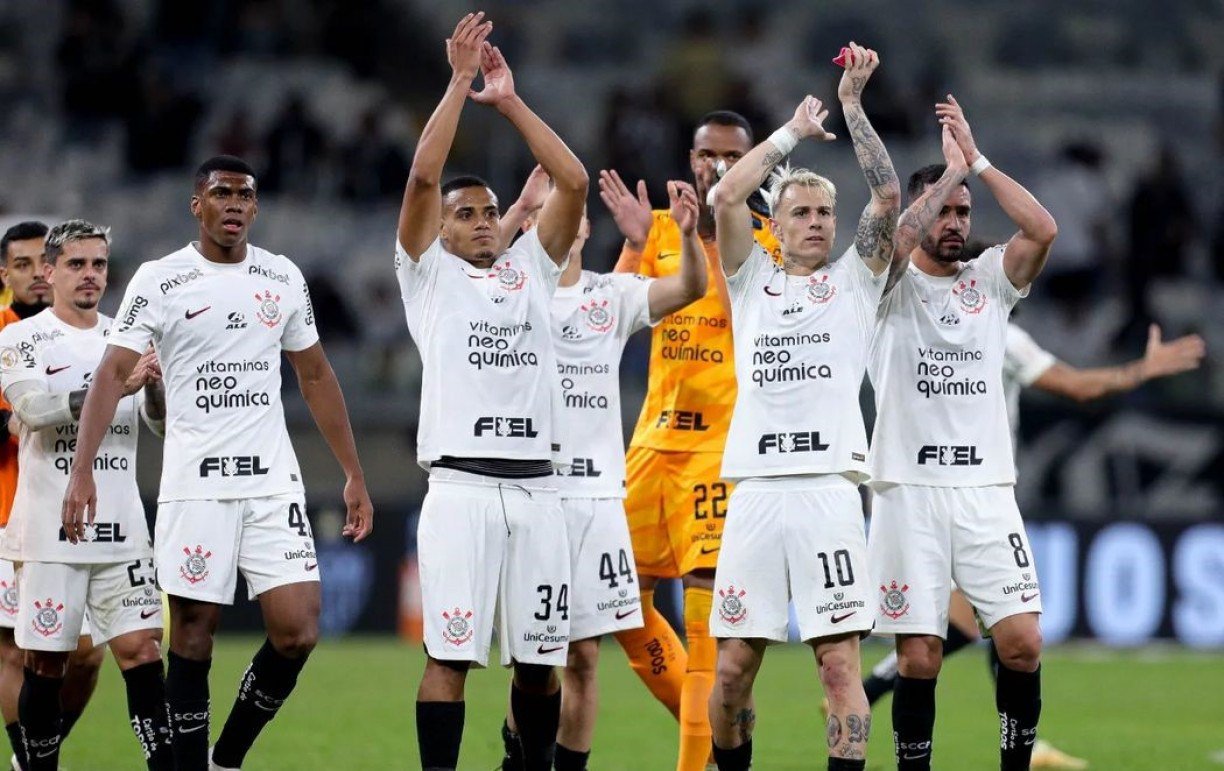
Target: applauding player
(46,364)
(492,534)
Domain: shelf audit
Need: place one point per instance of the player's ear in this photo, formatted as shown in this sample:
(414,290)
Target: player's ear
(195,205)
(776,229)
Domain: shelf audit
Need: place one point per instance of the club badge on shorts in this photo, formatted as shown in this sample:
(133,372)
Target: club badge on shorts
(458,629)
(269,313)
(195,568)
(972,299)
(47,617)
(894,605)
(731,608)
(8,599)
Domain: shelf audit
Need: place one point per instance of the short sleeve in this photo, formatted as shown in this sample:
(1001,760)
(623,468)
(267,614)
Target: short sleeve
(19,359)
(300,330)
(990,263)
(138,323)
(868,287)
(750,273)
(530,252)
(633,294)
(1023,359)
(414,275)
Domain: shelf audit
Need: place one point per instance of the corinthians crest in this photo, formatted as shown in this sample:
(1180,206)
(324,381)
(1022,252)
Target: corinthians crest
(972,299)
(195,567)
(8,599)
(732,608)
(508,277)
(269,313)
(598,317)
(894,605)
(458,629)
(47,617)
(819,290)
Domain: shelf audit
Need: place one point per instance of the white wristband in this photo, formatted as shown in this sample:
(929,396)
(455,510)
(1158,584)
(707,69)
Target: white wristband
(784,139)
(981,164)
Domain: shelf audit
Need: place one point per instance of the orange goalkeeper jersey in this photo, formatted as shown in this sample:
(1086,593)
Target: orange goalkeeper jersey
(8,448)
(691,389)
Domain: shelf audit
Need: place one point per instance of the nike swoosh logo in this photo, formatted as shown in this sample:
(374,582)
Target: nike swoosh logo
(312,565)
(46,754)
(148,613)
(913,757)
(839,619)
(52,370)
(192,314)
(1029,597)
(542,650)
(193,729)
(708,550)
(625,614)
(665,255)
(772,294)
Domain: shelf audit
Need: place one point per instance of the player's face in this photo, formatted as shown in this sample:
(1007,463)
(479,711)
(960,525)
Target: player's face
(23,272)
(713,143)
(804,224)
(945,241)
(78,276)
(471,224)
(226,205)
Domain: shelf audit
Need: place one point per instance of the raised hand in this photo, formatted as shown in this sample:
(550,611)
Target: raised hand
(1181,355)
(860,63)
(463,47)
(952,115)
(952,153)
(808,120)
(535,189)
(630,213)
(682,199)
(498,80)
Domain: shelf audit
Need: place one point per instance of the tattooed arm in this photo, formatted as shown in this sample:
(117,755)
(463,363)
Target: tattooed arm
(733,221)
(874,238)
(917,219)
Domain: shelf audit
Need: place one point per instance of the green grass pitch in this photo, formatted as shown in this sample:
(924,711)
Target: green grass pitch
(1152,709)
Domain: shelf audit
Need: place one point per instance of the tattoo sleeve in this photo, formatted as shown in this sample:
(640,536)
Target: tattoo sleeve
(917,220)
(877,226)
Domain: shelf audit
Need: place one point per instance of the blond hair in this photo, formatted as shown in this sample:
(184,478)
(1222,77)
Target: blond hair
(786,176)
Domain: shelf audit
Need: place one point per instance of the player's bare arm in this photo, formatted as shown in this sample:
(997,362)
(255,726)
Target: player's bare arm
(530,199)
(671,293)
(632,214)
(154,391)
(873,240)
(108,386)
(421,209)
(731,214)
(1160,359)
(321,390)
(562,212)
(918,217)
(1027,251)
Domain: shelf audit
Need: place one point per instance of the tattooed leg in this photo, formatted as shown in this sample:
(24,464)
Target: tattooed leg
(732,716)
(849,723)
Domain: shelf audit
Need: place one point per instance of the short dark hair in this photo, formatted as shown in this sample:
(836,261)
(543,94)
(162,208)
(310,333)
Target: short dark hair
(927,175)
(726,118)
(222,163)
(22,231)
(461,182)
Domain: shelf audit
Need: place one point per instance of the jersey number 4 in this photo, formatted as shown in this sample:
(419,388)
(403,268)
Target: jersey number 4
(297,520)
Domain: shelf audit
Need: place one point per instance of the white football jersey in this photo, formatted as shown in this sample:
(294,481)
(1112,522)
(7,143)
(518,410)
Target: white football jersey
(219,330)
(800,355)
(61,358)
(937,369)
(489,369)
(591,322)
(1023,362)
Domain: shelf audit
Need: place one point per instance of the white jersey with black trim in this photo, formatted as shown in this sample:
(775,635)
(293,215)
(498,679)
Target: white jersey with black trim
(1023,362)
(591,322)
(800,355)
(57,357)
(489,383)
(219,330)
(937,369)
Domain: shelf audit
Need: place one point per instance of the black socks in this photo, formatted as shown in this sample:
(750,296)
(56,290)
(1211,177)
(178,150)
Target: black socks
(439,732)
(187,700)
(146,698)
(266,684)
(1018,697)
(913,712)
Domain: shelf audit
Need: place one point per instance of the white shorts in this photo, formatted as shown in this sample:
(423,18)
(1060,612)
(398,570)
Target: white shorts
(200,546)
(8,594)
(487,546)
(604,595)
(793,537)
(925,538)
(120,597)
